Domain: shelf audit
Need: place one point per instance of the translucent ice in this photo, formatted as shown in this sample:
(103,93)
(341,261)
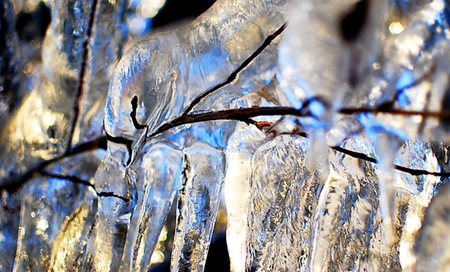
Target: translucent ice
(46,183)
(10,96)
(46,126)
(161,183)
(165,78)
(243,144)
(369,77)
(56,216)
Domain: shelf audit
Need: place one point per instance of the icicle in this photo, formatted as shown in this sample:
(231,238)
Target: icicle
(346,225)
(242,145)
(116,186)
(198,202)
(160,185)
(415,154)
(282,193)
(343,51)
(323,237)
(55,219)
(387,146)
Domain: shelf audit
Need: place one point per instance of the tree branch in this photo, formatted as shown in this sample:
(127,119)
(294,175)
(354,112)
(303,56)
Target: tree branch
(245,115)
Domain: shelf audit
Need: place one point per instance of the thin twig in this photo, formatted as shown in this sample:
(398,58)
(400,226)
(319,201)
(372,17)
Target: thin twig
(268,41)
(411,171)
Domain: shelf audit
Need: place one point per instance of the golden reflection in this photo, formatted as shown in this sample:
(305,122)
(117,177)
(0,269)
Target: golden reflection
(149,8)
(396,28)
(69,238)
(158,253)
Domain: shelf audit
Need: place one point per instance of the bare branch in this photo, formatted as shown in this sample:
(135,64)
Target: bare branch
(245,115)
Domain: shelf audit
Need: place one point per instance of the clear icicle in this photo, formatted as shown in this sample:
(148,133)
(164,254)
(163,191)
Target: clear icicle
(55,219)
(341,50)
(282,190)
(418,191)
(105,247)
(117,187)
(104,48)
(161,178)
(242,145)
(198,201)
(346,230)
(387,146)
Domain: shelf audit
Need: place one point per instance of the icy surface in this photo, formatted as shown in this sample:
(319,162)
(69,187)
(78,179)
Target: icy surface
(47,123)
(327,137)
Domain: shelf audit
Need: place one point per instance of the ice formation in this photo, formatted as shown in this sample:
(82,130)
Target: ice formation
(324,125)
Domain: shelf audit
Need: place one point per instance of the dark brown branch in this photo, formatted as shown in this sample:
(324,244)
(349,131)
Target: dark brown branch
(245,115)
(425,114)
(112,194)
(16,183)
(411,171)
(242,114)
(73,179)
(134,105)
(83,72)
(77,180)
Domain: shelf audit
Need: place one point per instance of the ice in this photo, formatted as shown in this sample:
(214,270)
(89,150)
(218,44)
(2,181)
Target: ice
(9,225)
(387,146)
(344,177)
(47,170)
(338,225)
(82,166)
(353,221)
(103,49)
(185,60)
(239,157)
(198,202)
(10,94)
(278,215)
(55,218)
(42,129)
(430,248)
(416,154)
(336,36)
(161,182)
(143,96)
